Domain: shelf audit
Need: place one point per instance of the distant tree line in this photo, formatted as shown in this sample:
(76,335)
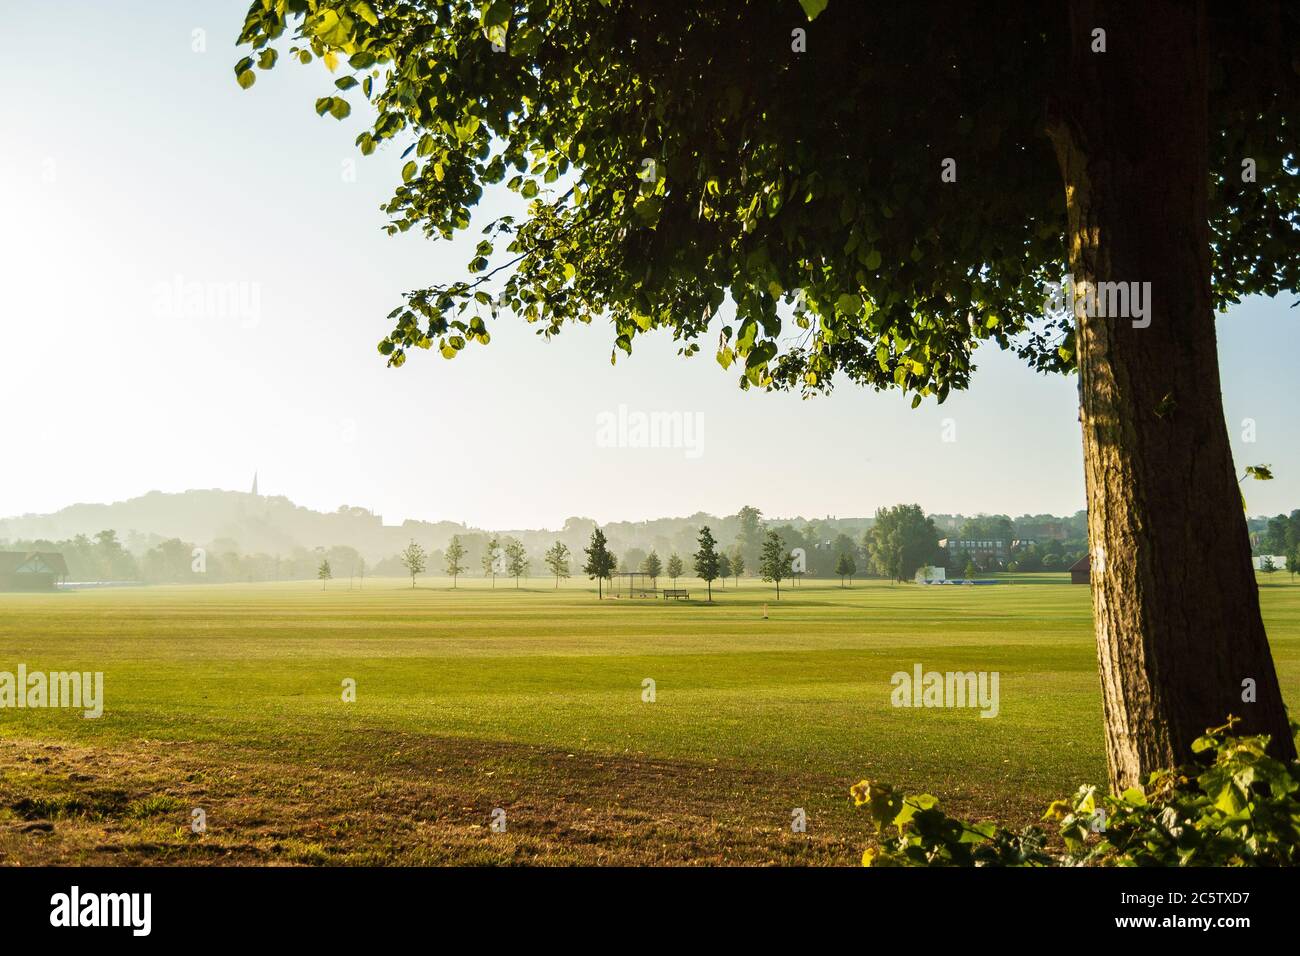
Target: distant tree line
(103,558)
(1278,535)
(893,544)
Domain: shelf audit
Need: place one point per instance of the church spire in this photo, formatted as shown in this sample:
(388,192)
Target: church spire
(254,482)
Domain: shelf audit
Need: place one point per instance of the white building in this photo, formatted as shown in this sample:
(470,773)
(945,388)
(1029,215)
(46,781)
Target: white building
(929,575)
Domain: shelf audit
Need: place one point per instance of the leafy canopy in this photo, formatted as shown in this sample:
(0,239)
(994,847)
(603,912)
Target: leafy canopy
(670,157)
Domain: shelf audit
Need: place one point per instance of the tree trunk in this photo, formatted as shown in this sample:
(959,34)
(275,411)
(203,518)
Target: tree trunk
(1175,602)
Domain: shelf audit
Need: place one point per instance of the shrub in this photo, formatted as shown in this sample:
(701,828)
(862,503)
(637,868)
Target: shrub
(1238,807)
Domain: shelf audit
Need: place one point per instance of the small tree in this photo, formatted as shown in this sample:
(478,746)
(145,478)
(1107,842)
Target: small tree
(724,568)
(774,564)
(455,553)
(557,560)
(845,567)
(1293,562)
(324,573)
(491,562)
(674,568)
(706,560)
(1266,564)
(600,561)
(413,560)
(737,563)
(653,567)
(971,570)
(516,560)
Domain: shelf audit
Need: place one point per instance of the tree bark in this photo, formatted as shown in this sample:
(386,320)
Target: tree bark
(1174,596)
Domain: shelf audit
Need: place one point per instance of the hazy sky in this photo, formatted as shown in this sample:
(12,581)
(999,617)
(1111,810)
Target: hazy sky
(132,165)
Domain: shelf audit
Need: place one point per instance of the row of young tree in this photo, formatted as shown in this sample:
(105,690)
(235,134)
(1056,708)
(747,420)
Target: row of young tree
(710,563)
(901,540)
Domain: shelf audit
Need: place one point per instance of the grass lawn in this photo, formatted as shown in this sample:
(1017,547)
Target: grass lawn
(229,699)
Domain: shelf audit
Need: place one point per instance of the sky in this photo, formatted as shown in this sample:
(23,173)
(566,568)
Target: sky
(193,280)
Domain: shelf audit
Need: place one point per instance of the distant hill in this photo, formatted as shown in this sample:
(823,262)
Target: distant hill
(253,523)
(245,523)
(249,524)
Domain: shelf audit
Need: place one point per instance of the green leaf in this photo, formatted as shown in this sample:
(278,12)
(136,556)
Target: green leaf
(408,171)
(333,28)
(246,79)
(345,82)
(745,338)
(760,355)
(497,13)
(365,12)
(1134,796)
(340,108)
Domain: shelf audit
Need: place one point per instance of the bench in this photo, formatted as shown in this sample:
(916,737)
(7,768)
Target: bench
(679,594)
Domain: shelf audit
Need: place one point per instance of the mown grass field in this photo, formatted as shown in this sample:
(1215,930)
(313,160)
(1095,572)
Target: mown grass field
(229,699)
